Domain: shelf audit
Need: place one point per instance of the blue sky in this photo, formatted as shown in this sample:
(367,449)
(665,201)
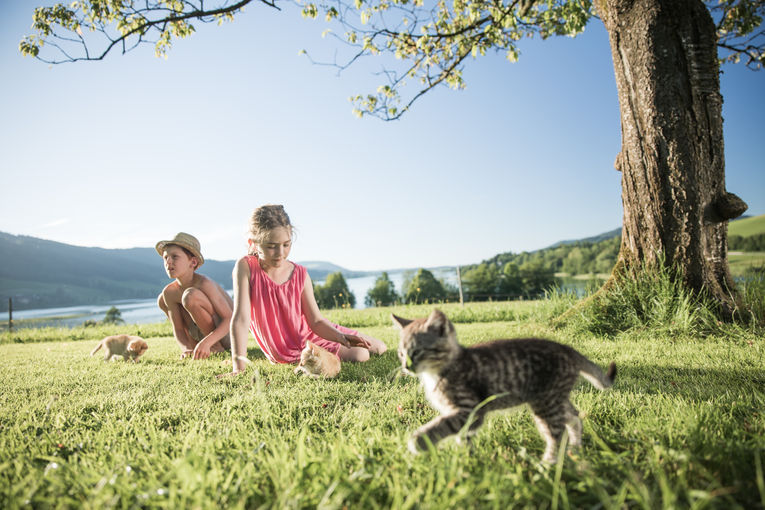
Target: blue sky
(130,150)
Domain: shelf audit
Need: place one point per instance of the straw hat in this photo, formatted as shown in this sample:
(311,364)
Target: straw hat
(183,240)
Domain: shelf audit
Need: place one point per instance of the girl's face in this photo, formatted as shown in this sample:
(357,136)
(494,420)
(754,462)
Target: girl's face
(177,262)
(275,247)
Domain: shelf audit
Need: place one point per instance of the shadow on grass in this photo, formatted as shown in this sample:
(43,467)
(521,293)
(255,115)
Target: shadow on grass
(383,367)
(688,382)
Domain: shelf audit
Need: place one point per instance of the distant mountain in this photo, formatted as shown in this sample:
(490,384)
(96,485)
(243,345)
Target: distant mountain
(319,265)
(318,270)
(38,273)
(744,226)
(747,226)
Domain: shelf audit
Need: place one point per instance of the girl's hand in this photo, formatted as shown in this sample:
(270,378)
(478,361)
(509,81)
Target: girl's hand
(187,353)
(354,341)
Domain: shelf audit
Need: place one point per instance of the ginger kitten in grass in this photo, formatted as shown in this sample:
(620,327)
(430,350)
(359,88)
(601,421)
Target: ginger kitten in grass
(127,346)
(316,362)
(465,383)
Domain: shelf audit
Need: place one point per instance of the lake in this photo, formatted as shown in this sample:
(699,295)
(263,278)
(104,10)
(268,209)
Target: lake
(145,311)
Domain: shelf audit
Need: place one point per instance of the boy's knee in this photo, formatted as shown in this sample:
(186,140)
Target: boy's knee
(161,303)
(191,297)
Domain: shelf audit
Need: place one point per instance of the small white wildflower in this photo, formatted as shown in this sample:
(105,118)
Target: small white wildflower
(51,465)
(161,491)
(128,469)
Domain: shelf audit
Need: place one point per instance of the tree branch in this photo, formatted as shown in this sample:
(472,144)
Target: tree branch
(98,21)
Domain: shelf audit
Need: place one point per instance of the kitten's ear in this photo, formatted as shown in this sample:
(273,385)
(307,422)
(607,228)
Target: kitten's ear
(400,322)
(439,323)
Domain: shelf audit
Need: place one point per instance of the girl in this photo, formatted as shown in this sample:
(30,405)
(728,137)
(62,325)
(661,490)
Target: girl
(275,298)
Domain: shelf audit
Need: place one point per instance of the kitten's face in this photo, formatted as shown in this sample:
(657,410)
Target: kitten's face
(426,345)
(308,357)
(137,348)
(317,361)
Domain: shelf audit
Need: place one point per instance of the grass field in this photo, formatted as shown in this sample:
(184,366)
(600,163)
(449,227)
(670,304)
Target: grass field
(683,427)
(747,226)
(744,263)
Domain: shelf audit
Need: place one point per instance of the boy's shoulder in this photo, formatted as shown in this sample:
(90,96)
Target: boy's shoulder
(201,280)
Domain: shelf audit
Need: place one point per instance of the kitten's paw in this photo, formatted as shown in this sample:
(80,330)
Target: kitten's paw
(412,446)
(549,459)
(419,443)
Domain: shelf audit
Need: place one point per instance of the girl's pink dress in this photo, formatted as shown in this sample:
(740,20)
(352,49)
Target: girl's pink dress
(277,320)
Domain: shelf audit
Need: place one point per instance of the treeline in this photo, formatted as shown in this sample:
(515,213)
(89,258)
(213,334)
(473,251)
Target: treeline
(505,276)
(749,243)
(419,286)
(526,275)
(582,257)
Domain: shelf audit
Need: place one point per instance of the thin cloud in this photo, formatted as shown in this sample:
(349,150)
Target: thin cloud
(56,223)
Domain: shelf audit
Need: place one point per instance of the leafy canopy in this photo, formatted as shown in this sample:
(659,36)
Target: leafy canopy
(427,41)
(383,293)
(424,288)
(334,293)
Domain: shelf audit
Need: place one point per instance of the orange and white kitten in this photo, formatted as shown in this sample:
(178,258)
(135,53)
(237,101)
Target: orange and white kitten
(127,346)
(316,361)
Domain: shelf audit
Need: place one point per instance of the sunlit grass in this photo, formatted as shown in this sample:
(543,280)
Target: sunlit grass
(742,263)
(682,427)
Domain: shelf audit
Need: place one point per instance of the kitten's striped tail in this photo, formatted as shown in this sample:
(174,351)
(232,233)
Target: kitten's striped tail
(595,375)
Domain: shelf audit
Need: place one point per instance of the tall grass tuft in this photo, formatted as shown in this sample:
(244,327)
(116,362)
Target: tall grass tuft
(654,299)
(752,292)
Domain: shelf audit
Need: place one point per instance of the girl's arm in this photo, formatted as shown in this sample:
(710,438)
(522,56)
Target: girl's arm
(241,315)
(322,326)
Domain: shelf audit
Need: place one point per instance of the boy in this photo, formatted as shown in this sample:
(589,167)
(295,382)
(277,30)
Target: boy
(198,308)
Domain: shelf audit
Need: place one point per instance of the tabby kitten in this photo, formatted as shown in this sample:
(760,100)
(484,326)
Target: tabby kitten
(457,379)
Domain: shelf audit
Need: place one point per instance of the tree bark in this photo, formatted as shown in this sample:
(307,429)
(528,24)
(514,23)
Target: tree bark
(672,164)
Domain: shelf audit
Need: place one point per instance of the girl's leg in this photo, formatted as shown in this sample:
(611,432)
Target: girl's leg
(376,346)
(353,354)
(359,353)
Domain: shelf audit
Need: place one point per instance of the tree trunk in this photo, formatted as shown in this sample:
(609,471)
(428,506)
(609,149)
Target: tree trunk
(672,164)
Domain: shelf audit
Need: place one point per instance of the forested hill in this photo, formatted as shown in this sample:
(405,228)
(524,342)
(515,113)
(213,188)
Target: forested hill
(597,254)
(37,273)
